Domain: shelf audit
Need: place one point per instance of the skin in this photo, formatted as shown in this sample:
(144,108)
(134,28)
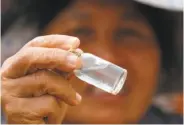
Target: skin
(123,38)
(22,88)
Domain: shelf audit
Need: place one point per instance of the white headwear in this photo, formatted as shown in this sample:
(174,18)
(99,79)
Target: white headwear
(174,5)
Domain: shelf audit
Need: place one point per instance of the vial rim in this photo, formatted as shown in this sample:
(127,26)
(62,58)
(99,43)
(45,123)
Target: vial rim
(120,82)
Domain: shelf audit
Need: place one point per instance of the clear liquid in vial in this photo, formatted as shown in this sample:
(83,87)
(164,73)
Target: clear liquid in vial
(101,73)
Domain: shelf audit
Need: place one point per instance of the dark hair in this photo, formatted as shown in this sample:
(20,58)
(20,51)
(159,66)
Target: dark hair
(40,11)
(162,21)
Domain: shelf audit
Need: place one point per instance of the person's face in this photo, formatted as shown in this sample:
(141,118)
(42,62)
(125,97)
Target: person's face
(119,34)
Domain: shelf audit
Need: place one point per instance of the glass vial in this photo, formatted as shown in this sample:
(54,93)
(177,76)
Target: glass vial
(101,73)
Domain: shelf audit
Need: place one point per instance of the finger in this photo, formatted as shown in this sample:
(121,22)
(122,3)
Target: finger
(58,116)
(40,83)
(17,112)
(20,120)
(47,107)
(79,51)
(55,41)
(37,57)
(36,110)
(67,75)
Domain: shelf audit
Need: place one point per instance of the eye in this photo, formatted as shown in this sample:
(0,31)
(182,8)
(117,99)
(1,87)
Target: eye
(123,33)
(85,34)
(82,32)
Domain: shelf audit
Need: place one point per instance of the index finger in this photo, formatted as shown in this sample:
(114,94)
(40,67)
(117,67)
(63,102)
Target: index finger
(54,41)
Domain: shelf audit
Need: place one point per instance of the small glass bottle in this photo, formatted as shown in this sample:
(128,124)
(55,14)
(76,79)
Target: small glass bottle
(101,73)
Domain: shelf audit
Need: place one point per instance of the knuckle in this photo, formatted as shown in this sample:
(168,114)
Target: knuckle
(10,110)
(6,65)
(14,115)
(36,39)
(4,96)
(5,92)
(44,74)
(41,76)
(7,61)
(23,56)
(51,104)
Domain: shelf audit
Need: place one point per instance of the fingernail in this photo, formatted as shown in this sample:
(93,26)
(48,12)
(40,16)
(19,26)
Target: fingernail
(78,97)
(74,42)
(72,59)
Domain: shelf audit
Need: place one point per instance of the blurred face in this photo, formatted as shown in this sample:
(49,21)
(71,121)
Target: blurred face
(118,33)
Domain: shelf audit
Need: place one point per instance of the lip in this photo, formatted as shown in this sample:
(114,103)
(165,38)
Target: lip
(98,94)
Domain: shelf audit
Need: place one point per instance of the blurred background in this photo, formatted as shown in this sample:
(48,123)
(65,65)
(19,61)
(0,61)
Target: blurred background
(23,20)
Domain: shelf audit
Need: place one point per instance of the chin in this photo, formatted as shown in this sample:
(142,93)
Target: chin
(96,112)
(99,107)
(107,119)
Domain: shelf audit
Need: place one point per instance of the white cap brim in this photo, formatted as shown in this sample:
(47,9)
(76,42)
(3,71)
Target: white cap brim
(173,5)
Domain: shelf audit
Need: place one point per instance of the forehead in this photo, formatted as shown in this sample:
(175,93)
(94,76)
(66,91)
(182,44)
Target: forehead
(102,4)
(83,10)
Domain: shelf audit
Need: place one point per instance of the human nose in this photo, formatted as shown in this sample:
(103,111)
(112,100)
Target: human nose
(103,51)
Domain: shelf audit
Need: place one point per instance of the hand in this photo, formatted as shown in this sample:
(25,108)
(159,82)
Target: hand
(32,93)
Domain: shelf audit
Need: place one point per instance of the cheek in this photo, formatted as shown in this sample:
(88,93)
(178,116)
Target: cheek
(145,60)
(141,58)
(142,62)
